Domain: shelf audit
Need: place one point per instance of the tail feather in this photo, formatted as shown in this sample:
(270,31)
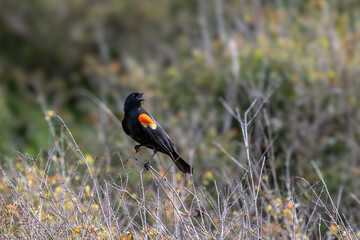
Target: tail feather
(183,166)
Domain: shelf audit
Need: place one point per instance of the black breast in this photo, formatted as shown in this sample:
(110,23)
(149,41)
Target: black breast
(133,128)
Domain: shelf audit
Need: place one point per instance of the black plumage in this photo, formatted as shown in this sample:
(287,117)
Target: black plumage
(142,127)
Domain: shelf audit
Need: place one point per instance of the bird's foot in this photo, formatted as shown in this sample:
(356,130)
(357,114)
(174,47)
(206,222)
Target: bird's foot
(147,165)
(137,148)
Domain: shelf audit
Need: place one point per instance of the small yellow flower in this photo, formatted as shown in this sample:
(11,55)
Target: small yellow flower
(123,237)
(58,189)
(89,159)
(334,228)
(77,229)
(209,175)
(12,209)
(269,208)
(287,212)
(20,167)
(49,115)
(178,176)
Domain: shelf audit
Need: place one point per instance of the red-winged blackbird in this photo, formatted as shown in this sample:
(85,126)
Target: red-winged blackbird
(142,127)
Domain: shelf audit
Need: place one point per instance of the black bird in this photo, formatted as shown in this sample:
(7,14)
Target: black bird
(142,127)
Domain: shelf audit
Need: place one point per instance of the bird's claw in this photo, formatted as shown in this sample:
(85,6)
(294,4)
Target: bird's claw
(147,166)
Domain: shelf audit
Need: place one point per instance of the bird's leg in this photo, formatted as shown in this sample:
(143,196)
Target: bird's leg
(147,164)
(137,147)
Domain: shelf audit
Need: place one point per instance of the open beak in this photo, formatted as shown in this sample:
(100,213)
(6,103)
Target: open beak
(141,98)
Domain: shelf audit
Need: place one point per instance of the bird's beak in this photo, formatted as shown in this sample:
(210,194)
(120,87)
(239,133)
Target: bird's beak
(141,98)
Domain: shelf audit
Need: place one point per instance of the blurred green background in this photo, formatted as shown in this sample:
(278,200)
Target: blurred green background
(185,55)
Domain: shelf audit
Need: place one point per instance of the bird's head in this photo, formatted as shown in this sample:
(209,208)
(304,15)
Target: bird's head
(133,100)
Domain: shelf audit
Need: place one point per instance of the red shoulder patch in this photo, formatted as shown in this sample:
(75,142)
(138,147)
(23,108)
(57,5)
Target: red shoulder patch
(146,121)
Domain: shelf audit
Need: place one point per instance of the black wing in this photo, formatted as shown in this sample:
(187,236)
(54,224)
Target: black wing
(159,138)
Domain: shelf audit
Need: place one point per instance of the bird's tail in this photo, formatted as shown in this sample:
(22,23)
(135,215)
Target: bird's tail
(181,164)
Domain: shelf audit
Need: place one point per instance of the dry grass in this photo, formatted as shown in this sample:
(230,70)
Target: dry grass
(66,194)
